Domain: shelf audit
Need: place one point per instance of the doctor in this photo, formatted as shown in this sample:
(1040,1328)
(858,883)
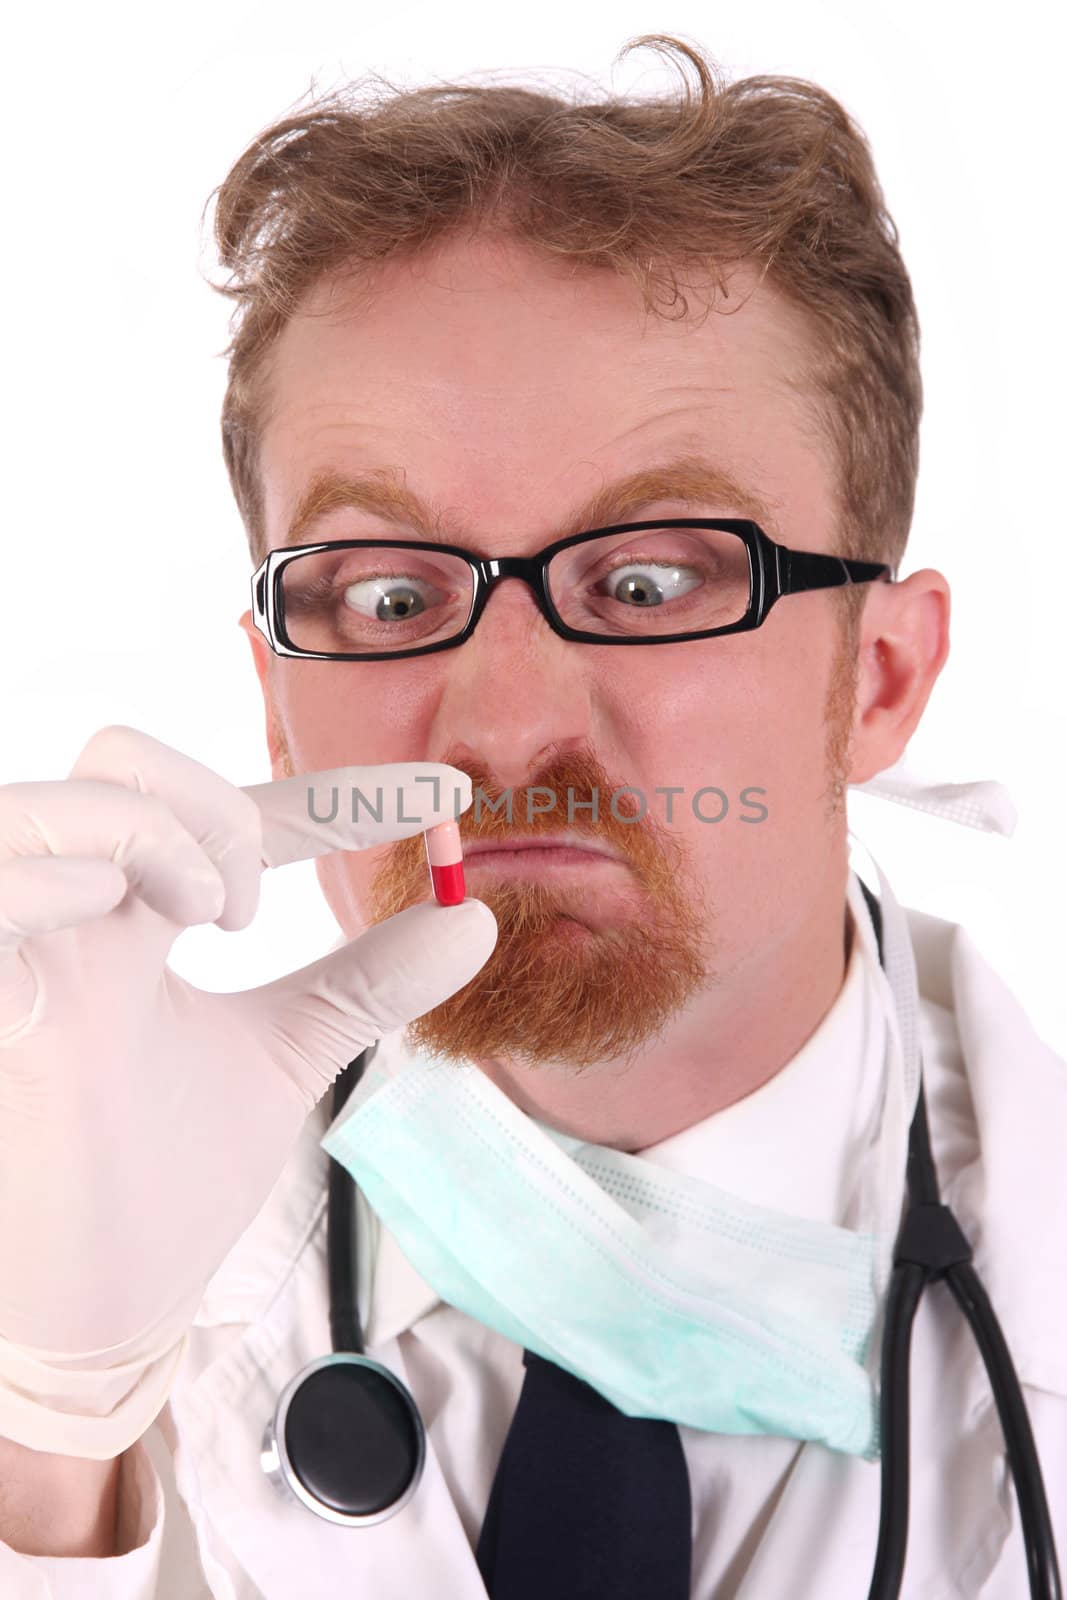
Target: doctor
(684,994)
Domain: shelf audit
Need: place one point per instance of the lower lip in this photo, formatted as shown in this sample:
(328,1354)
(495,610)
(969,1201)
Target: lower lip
(538,859)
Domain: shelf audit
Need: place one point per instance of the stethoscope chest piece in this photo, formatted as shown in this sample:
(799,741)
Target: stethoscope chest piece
(346,1440)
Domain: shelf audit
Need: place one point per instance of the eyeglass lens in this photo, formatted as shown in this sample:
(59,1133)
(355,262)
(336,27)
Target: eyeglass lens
(624,585)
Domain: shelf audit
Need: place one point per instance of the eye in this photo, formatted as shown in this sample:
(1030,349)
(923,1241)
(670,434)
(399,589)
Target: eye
(649,583)
(389,599)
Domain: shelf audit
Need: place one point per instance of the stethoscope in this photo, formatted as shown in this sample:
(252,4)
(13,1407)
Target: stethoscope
(308,1449)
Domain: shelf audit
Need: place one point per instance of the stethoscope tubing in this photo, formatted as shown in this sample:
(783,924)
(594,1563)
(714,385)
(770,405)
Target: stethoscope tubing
(930,1232)
(931,1246)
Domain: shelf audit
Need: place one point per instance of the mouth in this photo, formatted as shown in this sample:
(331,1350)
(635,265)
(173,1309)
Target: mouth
(532,858)
(561,849)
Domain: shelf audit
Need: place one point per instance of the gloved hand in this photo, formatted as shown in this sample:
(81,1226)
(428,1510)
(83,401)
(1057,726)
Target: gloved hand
(143,1122)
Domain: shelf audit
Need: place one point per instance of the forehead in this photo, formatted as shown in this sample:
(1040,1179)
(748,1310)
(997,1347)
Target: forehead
(485,315)
(478,363)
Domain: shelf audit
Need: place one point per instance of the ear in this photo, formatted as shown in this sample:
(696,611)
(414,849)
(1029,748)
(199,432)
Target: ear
(280,764)
(904,643)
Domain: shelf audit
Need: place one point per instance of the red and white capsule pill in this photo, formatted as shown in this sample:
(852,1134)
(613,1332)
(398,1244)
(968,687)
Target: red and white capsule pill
(445,856)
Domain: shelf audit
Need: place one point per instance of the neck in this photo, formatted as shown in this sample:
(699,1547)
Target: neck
(729,1042)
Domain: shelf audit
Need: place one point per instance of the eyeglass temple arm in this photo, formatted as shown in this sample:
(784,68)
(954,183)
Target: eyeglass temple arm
(799,570)
(259,597)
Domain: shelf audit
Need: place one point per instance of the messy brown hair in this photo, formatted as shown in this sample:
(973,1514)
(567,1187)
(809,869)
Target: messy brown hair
(768,170)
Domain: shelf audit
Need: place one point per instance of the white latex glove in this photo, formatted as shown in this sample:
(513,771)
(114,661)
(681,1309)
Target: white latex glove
(143,1122)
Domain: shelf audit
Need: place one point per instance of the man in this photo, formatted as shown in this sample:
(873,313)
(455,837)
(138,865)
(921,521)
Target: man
(443,344)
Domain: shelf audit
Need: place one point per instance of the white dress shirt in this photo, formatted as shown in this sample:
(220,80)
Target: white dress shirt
(772,1517)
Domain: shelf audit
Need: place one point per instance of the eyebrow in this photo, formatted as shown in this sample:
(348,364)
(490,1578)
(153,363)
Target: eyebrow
(383,492)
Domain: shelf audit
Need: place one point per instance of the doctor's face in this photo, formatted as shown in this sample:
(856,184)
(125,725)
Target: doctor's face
(505,393)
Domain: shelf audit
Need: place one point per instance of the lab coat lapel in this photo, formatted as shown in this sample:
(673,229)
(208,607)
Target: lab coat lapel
(1019,1087)
(286,1549)
(824,1528)
(997,1104)
(1013,1184)
(422,1550)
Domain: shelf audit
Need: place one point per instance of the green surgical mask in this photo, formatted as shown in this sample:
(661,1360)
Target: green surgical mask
(671,1297)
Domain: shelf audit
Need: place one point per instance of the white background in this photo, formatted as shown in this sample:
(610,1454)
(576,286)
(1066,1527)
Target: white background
(125,566)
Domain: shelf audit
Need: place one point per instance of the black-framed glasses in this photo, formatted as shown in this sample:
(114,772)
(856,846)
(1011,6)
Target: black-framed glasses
(660,582)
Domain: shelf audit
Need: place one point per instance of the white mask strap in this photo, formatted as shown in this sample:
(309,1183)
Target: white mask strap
(984,804)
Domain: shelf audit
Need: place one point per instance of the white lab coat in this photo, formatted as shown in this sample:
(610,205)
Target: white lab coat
(209,1525)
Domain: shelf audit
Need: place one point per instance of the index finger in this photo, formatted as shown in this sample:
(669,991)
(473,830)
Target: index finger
(351,808)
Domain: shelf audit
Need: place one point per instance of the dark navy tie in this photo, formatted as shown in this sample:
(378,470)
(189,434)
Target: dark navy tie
(587,1503)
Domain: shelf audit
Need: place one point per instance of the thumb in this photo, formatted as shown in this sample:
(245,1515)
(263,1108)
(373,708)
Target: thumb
(320,1017)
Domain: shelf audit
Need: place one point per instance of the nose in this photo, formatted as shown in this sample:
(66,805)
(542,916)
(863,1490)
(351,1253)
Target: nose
(515,694)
